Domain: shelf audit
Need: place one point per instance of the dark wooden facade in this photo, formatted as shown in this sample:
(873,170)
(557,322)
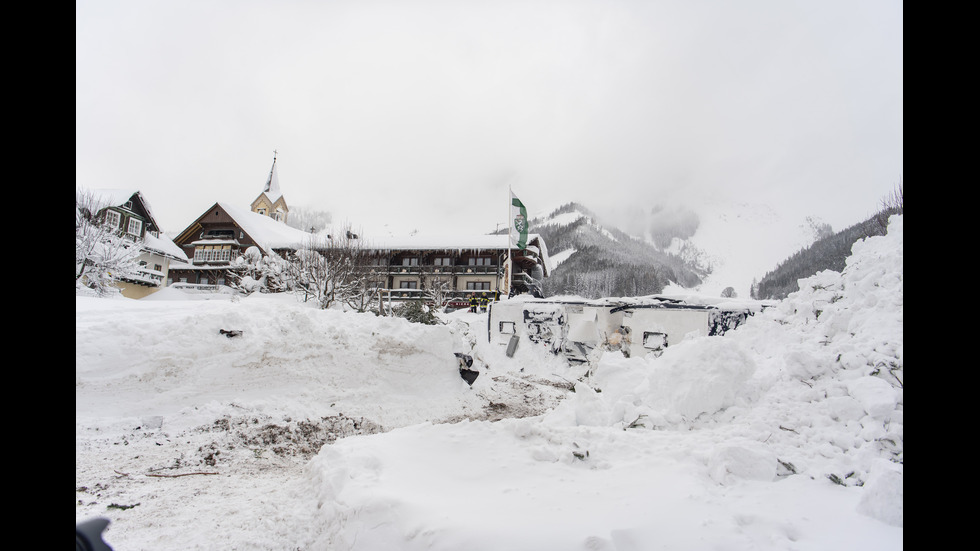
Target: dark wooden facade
(211,243)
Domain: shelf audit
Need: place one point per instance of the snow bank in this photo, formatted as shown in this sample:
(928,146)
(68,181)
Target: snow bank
(385,369)
(794,421)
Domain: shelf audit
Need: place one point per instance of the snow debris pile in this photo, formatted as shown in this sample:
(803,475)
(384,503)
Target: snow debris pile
(666,390)
(836,345)
(331,430)
(796,416)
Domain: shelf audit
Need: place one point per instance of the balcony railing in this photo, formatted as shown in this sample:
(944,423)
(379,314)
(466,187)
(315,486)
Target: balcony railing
(207,256)
(523,277)
(431,269)
(421,294)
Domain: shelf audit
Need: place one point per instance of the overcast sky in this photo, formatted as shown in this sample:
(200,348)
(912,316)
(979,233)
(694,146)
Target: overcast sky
(421,114)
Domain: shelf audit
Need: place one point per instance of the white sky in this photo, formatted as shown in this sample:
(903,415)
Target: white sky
(420,114)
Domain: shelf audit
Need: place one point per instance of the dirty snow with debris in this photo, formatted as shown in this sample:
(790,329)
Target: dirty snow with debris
(314,429)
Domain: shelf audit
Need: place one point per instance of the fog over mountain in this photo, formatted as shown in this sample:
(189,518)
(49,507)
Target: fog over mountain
(707,249)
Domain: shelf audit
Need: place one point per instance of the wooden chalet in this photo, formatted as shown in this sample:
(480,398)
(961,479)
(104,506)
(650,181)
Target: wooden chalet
(129,213)
(225,232)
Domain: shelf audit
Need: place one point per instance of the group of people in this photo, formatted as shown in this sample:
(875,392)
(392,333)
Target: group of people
(480,302)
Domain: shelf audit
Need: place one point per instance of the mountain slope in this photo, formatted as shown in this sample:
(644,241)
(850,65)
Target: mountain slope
(732,244)
(715,249)
(594,259)
(830,252)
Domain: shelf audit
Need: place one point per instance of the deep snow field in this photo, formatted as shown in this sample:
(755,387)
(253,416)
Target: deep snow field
(333,430)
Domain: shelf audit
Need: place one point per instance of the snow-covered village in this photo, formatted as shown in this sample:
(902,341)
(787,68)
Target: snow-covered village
(266,407)
(561,275)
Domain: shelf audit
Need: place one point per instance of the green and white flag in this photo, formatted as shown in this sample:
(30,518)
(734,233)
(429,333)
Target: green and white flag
(518,221)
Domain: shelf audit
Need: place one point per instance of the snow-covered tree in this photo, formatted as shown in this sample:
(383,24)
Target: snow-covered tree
(416,312)
(437,291)
(104,254)
(254,272)
(309,270)
(330,269)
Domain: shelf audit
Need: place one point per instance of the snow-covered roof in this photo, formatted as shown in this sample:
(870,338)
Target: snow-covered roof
(270,234)
(112,197)
(164,246)
(267,232)
(442,241)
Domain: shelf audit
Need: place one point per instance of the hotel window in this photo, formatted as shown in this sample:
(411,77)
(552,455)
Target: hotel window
(477,285)
(408,285)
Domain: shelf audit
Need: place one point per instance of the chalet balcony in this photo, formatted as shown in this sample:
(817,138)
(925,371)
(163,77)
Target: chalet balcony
(212,256)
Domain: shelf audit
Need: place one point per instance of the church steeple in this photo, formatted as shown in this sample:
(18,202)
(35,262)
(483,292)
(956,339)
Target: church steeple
(270,202)
(272,184)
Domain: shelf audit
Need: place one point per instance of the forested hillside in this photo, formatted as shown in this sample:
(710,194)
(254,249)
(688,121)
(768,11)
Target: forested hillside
(827,253)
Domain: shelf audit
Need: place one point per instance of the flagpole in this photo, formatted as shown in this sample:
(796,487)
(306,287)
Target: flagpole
(510,261)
